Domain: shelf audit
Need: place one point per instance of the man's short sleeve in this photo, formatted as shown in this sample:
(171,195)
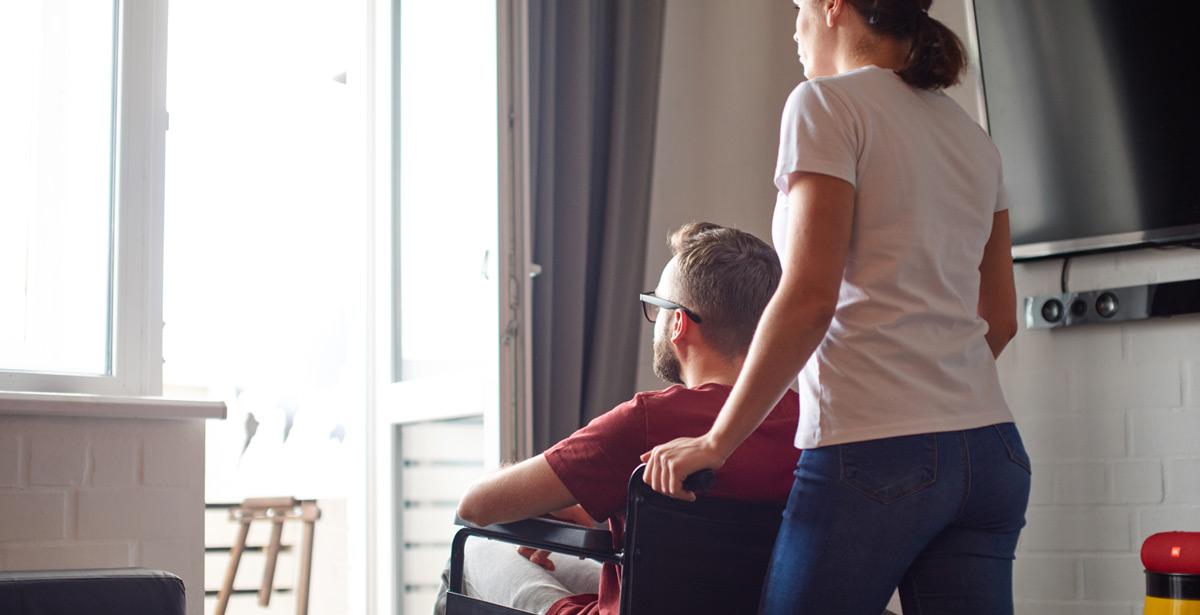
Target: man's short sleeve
(595,462)
(817,135)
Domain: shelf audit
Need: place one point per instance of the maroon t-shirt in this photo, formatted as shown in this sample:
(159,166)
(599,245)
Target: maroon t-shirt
(596,461)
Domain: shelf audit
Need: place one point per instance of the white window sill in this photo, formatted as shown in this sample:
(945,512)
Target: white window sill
(106,406)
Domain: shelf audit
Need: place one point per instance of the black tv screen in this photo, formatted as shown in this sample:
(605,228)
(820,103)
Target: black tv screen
(1093,106)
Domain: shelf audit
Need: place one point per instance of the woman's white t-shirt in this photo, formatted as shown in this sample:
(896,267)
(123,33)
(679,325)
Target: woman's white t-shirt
(905,352)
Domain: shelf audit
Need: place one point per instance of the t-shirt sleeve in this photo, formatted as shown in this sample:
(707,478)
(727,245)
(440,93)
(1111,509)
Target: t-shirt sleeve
(595,462)
(817,135)
(1001,194)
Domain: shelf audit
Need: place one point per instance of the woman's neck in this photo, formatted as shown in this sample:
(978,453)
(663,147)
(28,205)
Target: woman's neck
(881,51)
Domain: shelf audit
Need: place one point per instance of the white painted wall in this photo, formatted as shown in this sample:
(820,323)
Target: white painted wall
(1110,413)
(103,493)
(727,70)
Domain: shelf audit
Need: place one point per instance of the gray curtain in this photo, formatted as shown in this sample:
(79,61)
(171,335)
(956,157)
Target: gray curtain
(594,99)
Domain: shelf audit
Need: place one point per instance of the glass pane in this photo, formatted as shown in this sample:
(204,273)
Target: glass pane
(447,189)
(264,265)
(56,118)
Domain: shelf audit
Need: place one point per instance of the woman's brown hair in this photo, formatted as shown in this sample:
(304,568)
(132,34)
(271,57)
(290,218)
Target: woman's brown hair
(936,59)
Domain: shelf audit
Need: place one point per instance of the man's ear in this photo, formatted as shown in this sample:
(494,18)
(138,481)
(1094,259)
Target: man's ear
(680,324)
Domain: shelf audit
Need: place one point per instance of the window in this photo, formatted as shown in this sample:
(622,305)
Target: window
(438,335)
(264,293)
(54,234)
(81,199)
(446,210)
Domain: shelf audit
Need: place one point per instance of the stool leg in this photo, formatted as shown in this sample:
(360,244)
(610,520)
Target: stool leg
(306,551)
(268,580)
(235,557)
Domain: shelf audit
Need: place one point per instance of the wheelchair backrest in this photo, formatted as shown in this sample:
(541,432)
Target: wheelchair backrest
(707,556)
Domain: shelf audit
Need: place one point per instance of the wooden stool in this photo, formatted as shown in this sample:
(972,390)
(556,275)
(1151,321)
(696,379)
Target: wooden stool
(275,510)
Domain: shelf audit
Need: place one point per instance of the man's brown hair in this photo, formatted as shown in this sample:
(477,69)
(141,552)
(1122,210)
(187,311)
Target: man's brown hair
(727,277)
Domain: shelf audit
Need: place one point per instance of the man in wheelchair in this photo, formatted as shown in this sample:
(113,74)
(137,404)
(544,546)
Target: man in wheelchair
(705,310)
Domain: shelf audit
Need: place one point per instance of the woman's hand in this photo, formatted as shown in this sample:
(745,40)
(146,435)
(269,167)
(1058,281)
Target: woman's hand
(667,465)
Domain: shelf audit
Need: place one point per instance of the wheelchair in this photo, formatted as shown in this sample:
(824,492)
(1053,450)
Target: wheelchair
(707,556)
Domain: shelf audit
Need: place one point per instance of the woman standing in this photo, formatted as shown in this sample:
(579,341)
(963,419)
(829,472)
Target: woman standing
(897,295)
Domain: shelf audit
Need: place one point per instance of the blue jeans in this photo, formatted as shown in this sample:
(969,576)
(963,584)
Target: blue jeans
(936,515)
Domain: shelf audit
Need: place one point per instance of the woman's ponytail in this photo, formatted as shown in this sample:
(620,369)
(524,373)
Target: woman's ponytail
(936,59)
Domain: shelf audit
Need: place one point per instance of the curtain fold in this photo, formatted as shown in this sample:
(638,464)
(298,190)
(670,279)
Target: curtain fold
(594,79)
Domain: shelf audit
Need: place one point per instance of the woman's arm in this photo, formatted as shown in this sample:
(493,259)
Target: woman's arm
(997,291)
(792,326)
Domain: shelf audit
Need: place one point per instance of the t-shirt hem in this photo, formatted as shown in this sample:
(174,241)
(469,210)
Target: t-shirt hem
(849,436)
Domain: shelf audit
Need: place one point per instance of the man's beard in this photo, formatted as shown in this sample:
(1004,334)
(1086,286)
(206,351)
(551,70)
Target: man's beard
(666,364)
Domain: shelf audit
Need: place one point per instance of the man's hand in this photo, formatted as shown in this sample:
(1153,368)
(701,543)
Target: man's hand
(540,557)
(571,514)
(667,465)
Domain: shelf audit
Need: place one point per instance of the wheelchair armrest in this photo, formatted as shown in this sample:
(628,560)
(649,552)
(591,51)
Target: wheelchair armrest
(549,534)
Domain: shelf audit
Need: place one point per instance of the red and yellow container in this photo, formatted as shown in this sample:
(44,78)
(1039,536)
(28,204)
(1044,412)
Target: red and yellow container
(1172,561)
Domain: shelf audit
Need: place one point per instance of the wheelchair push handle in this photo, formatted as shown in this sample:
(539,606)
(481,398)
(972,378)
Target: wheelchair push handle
(700,482)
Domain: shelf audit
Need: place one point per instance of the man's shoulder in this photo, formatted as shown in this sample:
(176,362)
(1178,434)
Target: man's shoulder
(636,407)
(681,397)
(668,393)
(631,415)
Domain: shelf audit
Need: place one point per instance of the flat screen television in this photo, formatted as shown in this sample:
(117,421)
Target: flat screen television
(1094,107)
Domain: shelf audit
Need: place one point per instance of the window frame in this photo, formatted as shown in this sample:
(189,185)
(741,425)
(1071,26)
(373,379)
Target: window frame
(140,124)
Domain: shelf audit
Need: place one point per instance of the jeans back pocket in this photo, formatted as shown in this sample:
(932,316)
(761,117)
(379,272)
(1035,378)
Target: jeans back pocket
(1012,443)
(892,468)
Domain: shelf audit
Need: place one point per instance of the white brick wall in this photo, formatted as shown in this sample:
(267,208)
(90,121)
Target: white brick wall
(103,493)
(1111,417)
(1183,476)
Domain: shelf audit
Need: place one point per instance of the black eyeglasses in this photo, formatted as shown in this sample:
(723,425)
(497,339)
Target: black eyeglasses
(652,303)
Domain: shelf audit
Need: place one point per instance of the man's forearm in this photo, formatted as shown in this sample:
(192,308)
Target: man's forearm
(527,489)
